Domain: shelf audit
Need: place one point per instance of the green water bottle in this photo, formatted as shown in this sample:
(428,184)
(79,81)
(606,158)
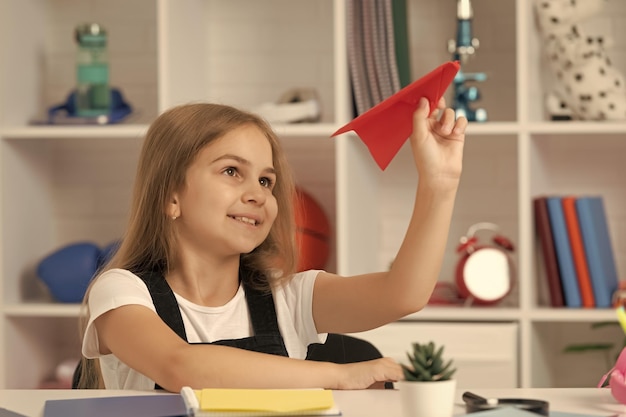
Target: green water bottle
(93,94)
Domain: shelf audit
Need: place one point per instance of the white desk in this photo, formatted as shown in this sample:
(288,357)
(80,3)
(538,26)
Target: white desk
(363,403)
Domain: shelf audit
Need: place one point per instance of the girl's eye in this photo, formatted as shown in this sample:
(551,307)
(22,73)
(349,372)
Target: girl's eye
(266,182)
(230,171)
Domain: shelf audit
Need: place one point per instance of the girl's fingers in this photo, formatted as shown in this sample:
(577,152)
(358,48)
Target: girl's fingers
(420,117)
(423,107)
(461,125)
(447,121)
(441,105)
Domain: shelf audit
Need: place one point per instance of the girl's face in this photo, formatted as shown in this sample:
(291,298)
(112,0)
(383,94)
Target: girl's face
(227,206)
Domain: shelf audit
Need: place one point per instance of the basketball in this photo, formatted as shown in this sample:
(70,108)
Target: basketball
(312,232)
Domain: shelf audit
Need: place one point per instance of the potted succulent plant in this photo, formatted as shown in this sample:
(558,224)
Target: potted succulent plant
(428,388)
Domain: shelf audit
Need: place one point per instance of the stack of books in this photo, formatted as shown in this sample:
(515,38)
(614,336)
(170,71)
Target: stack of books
(576,251)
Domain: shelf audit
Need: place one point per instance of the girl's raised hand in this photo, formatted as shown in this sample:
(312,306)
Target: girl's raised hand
(437,142)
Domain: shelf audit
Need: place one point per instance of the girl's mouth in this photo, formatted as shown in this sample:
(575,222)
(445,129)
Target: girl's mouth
(244,220)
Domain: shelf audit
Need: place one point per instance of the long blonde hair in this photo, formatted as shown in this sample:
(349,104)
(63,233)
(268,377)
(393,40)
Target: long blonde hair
(171,144)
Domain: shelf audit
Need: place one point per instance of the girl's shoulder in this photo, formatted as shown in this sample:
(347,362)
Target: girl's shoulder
(310,274)
(115,288)
(118,274)
(299,281)
(118,278)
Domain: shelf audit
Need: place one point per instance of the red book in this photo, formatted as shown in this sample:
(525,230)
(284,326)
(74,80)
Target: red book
(546,243)
(578,252)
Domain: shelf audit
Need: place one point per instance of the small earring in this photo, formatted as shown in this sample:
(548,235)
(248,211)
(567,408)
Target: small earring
(174,217)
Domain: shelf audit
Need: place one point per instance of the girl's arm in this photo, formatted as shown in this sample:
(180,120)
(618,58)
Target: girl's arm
(351,304)
(138,337)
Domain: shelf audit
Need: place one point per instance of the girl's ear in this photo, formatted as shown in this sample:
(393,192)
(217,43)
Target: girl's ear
(173,208)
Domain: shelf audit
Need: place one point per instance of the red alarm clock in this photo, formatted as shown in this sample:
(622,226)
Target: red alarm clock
(484,273)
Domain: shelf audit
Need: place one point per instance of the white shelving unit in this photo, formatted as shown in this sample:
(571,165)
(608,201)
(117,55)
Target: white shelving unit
(61,185)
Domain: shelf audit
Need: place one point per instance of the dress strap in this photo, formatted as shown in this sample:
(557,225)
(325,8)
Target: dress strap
(165,302)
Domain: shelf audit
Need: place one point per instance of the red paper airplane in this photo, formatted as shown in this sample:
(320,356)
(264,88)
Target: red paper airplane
(385,127)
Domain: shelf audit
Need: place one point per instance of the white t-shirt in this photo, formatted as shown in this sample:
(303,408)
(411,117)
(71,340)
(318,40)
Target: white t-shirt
(119,287)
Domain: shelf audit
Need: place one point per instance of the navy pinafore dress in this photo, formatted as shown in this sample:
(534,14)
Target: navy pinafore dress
(266,334)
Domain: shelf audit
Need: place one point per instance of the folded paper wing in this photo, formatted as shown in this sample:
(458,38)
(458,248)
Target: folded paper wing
(385,127)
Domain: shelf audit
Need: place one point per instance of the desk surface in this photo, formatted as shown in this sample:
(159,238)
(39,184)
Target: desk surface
(362,403)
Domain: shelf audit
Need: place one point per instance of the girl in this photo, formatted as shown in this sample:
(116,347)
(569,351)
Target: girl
(202,291)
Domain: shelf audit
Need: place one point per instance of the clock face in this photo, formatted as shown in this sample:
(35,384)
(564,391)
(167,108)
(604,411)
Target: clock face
(487,274)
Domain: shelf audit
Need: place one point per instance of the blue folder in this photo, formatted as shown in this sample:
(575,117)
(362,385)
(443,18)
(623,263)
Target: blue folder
(160,405)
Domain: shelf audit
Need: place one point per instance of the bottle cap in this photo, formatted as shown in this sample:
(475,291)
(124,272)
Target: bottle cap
(90,34)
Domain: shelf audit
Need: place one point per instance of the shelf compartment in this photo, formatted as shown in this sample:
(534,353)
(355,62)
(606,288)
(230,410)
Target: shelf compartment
(42,70)
(236,61)
(46,342)
(488,193)
(80,189)
(581,165)
(480,362)
(540,79)
(313,163)
(554,368)
(57,192)
(432,24)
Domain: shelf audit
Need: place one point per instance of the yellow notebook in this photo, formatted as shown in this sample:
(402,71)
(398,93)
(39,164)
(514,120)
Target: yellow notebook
(262,402)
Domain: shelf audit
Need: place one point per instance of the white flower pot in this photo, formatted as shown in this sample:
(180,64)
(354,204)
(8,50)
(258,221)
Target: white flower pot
(427,399)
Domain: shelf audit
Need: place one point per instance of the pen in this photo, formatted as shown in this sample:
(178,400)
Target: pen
(621,316)
(190,399)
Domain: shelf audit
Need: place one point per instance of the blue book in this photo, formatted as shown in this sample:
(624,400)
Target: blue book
(567,269)
(598,248)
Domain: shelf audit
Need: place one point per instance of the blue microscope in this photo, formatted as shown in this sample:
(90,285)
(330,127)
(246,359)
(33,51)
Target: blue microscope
(461,49)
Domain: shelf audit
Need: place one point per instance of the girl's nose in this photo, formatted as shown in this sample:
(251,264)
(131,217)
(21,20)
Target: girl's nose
(254,193)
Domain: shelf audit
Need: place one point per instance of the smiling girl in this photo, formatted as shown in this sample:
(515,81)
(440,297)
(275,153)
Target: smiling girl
(203,290)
